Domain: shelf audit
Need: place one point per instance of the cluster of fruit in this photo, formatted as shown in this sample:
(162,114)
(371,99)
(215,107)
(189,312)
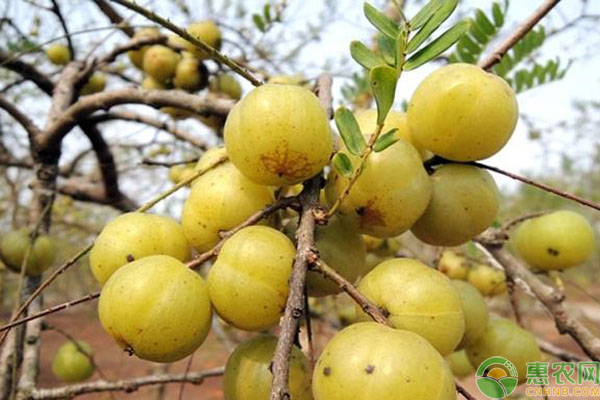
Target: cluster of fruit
(488,280)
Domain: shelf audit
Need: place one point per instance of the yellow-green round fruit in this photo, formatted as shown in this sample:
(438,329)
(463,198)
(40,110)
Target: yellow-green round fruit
(71,364)
(190,74)
(459,364)
(506,339)
(559,240)
(489,281)
(179,172)
(419,299)
(372,260)
(462,113)
(389,196)
(464,203)
(207,32)
(226,84)
(248,283)
(370,361)
(95,84)
(58,54)
(220,200)
(137,56)
(150,83)
(248,377)
(13,248)
(133,236)
(341,248)
(367,122)
(475,311)
(278,135)
(453,265)
(287,79)
(160,62)
(156,308)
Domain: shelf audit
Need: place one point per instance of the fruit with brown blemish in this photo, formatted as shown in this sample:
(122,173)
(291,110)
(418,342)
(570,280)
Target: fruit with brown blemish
(58,54)
(160,62)
(248,283)
(475,311)
(133,236)
(248,375)
(137,56)
(156,308)
(419,299)
(14,248)
(369,361)
(488,280)
(72,362)
(278,135)
(464,202)
(462,113)
(559,240)
(459,364)
(506,339)
(220,200)
(454,265)
(389,196)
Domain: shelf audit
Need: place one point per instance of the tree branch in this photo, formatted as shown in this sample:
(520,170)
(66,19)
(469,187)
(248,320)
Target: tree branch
(30,127)
(27,71)
(527,25)
(114,17)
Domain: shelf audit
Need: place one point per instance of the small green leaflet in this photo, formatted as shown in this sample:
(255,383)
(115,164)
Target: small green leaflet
(498,15)
(383,23)
(387,47)
(424,14)
(438,46)
(365,56)
(386,140)
(258,21)
(383,83)
(434,22)
(342,165)
(350,131)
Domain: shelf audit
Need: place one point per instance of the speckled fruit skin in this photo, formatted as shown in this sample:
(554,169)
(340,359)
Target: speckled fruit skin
(506,339)
(70,364)
(137,56)
(13,247)
(58,54)
(278,135)
(206,31)
(559,240)
(367,122)
(248,283)
(453,265)
(475,311)
(157,308)
(489,281)
(160,62)
(389,196)
(459,364)
(189,74)
(133,236)
(418,299)
(220,200)
(463,204)
(341,248)
(462,113)
(247,375)
(95,84)
(369,361)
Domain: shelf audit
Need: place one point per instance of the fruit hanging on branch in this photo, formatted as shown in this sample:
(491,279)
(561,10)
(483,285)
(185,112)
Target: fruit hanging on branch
(13,250)
(137,56)
(58,54)
(160,62)
(488,280)
(72,362)
(475,311)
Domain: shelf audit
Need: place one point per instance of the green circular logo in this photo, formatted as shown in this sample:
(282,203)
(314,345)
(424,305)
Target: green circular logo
(497,378)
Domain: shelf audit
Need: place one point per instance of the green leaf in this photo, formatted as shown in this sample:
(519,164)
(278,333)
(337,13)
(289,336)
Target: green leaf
(365,56)
(498,15)
(258,21)
(267,12)
(350,131)
(438,46)
(343,165)
(484,23)
(386,140)
(383,23)
(383,83)
(387,48)
(478,34)
(424,14)
(441,14)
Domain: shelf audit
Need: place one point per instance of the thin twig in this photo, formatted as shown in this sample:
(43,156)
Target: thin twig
(56,10)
